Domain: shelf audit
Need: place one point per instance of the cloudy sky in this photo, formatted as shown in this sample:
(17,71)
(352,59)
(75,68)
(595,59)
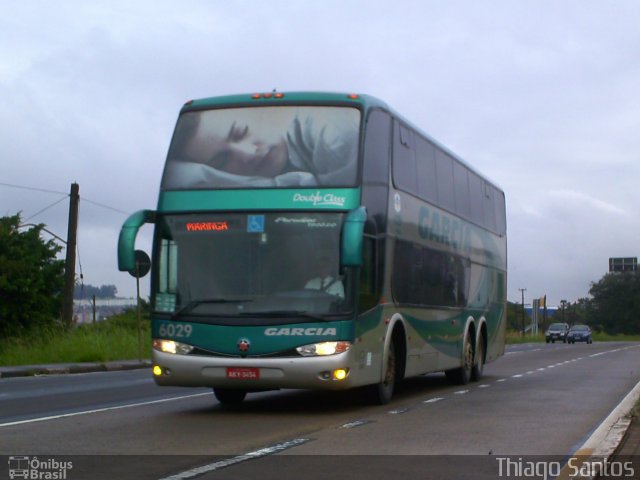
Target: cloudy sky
(541,96)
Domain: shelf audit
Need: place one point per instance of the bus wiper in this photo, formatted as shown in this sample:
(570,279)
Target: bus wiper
(202,301)
(284,313)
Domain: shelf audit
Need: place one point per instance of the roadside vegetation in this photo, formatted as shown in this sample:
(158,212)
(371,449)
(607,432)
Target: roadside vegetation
(113,339)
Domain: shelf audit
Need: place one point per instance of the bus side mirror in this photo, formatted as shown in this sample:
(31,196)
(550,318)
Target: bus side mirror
(352,231)
(127,238)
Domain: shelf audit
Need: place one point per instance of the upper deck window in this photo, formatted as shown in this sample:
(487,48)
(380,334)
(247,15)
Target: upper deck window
(250,147)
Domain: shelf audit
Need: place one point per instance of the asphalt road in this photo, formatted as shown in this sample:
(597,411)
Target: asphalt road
(538,402)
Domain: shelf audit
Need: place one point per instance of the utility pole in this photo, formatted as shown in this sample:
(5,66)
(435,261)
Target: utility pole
(70,261)
(522,290)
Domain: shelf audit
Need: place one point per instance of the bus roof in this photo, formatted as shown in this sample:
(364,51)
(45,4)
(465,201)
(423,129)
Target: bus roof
(284,98)
(366,102)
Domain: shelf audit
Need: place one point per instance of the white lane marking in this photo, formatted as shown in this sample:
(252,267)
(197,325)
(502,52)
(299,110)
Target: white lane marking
(461,392)
(484,385)
(500,380)
(263,452)
(354,424)
(433,400)
(98,410)
(518,375)
(398,411)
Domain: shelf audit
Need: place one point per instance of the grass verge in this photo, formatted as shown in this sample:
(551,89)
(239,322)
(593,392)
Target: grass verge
(112,339)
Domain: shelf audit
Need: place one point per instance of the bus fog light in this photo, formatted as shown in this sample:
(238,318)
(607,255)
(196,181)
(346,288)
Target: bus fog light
(157,370)
(323,348)
(340,373)
(169,346)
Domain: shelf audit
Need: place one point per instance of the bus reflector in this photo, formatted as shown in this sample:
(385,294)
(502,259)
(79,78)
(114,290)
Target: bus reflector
(353,96)
(258,96)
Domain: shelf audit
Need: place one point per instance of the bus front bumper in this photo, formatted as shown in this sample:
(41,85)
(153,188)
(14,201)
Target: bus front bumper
(331,372)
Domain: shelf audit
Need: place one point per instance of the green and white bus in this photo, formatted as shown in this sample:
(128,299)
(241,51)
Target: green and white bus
(318,241)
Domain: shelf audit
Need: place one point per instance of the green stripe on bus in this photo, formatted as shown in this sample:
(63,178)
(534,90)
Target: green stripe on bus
(272,199)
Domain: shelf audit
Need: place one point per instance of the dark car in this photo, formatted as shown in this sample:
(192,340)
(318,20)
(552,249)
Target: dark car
(579,333)
(557,331)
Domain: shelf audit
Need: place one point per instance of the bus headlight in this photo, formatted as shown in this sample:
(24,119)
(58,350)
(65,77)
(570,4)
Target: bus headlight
(169,346)
(323,348)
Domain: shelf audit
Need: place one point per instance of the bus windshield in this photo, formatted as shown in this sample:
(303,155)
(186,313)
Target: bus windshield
(255,147)
(238,265)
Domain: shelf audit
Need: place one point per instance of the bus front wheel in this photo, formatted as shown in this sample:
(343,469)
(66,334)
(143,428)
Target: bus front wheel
(382,392)
(228,396)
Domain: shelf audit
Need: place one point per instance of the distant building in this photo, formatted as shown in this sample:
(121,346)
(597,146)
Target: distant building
(105,308)
(626,264)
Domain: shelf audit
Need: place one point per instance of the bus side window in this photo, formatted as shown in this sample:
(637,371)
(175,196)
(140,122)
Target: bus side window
(501,221)
(444,173)
(461,190)
(489,207)
(404,161)
(168,277)
(476,197)
(368,281)
(427,277)
(375,169)
(426,166)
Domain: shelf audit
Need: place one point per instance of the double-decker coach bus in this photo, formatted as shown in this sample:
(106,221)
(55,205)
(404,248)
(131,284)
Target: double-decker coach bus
(318,241)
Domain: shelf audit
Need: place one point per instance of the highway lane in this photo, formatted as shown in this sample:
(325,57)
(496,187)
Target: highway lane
(537,400)
(25,398)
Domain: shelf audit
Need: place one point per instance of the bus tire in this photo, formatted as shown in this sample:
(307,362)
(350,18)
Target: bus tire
(381,393)
(462,374)
(478,364)
(229,396)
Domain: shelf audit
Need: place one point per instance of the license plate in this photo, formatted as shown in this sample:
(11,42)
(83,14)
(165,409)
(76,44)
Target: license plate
(243,373)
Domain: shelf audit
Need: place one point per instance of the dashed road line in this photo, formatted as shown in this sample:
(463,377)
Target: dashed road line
(433,400)
(354,424)
(398,411)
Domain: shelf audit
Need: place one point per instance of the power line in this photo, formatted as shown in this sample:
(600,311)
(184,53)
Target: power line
(36,189)
(33,189)
(104,206)
(47,208)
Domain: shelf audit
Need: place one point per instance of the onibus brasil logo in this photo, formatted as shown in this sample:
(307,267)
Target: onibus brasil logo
(38,469)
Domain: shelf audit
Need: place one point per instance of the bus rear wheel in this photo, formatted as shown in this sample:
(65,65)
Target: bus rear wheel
(478,365)
(229,396)
(462,374)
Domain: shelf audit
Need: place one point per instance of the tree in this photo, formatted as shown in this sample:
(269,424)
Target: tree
(31,278)
(615,306)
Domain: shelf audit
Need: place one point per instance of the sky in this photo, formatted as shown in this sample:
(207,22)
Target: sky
(540,96)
